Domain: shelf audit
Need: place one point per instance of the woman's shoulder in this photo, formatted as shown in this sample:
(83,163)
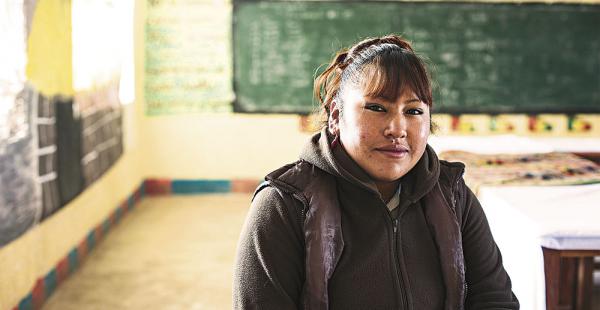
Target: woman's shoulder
(456,165)
(288,190)
(282,190)
(451,171)
(275,210)
(453,185)
(295,177)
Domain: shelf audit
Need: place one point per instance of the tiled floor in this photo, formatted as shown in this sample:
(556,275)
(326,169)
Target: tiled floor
(170,253)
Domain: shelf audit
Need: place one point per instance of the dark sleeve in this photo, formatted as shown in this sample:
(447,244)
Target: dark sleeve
(269,265)
(488,284)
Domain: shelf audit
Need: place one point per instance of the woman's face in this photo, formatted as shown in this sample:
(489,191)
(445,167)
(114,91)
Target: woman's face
(386,138)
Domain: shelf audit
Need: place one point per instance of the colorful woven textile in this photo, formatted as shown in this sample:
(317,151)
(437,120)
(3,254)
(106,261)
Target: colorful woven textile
(525,169)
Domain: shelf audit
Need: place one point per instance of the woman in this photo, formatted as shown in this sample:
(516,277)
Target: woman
(369,218)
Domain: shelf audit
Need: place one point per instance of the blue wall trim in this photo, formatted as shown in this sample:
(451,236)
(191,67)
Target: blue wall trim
(50,282)
(26,303)
(200,186)
(130,202)
(91,240)
(73,260)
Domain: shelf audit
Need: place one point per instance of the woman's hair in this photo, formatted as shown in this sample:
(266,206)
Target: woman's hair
(382,67)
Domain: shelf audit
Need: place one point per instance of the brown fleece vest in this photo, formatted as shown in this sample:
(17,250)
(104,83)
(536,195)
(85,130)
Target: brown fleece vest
(324,242)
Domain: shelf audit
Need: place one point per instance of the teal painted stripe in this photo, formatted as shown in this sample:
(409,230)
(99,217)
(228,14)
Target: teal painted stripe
(50,282)
(200,186)
(130,202)
(73,261)
(143,189)
(26,303)
(118,215)
(106,225)
(91,240)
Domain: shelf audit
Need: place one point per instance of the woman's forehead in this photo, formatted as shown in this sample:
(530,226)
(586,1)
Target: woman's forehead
(359,94)
(382,84)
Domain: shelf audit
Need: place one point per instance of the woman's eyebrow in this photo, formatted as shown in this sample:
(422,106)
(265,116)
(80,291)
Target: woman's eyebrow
(380,99)
(412,100)
(377,99)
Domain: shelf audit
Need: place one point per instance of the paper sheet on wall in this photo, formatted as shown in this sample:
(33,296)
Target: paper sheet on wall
(187,61)
(13,57)
(101,51)
(101,41)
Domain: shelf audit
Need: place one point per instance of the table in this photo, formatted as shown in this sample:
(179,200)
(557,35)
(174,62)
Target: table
(569,278)
(564,219)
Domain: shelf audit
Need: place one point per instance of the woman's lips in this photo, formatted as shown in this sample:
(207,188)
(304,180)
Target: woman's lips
(396,151)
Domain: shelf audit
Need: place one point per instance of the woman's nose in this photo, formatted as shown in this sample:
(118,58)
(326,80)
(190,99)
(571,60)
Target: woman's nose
(396,127)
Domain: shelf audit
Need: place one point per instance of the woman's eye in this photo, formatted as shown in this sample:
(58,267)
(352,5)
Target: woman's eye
(375,107)
(414,111)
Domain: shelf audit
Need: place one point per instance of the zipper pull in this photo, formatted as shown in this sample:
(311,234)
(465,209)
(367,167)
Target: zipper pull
(395,225)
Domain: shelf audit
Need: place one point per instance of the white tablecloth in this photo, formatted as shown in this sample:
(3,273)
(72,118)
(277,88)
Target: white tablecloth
(523,219)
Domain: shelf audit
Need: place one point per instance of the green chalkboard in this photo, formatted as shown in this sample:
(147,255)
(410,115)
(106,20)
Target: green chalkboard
(484,58)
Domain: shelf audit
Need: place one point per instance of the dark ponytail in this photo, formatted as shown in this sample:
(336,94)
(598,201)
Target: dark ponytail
(327,83)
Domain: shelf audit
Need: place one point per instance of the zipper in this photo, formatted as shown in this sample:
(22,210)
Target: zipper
(400,279)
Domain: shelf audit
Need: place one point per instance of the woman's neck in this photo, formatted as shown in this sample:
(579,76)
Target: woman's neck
(387,189)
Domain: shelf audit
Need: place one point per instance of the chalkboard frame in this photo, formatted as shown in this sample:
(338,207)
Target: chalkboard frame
(569,110)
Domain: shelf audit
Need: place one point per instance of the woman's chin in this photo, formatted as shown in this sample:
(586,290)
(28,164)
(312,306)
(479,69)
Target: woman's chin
(390,174)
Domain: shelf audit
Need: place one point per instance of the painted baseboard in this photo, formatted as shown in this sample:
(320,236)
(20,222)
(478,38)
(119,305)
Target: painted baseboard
(186,187)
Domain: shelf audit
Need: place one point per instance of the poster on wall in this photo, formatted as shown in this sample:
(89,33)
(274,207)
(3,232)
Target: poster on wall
(53,145)
(20,204)
(187,57)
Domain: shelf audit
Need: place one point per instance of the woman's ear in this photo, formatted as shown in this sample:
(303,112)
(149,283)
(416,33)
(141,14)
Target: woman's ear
(334,118)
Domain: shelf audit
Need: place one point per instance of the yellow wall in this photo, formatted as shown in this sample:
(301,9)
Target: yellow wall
(219,145)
